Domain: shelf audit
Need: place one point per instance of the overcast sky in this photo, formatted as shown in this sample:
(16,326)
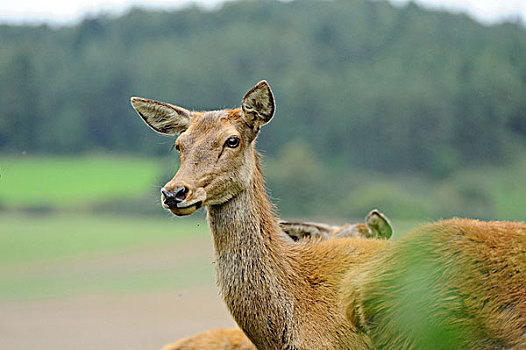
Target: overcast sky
(70,11)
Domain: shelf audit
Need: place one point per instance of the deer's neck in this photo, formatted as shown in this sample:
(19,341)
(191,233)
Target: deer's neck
(251,266)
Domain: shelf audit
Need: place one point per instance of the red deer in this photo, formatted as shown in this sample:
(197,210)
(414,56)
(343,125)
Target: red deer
(376,226)
(454,284)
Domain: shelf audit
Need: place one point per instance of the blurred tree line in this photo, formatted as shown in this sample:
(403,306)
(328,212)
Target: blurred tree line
(359,85)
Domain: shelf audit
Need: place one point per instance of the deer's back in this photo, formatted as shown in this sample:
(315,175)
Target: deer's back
(452,284)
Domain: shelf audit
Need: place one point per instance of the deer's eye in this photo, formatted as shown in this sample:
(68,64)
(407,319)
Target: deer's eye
(232,142)
(177,148)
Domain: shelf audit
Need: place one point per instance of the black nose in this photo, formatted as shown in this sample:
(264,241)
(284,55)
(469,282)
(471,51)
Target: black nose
(171,199)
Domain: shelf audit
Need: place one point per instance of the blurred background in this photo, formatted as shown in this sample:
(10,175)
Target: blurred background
(417,109)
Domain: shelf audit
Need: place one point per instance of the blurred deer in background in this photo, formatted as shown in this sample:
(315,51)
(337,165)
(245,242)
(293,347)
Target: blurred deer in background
(376,225)
(455,284)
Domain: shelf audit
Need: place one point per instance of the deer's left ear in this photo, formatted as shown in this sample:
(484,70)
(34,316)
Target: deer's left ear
(162,117)
(258,105)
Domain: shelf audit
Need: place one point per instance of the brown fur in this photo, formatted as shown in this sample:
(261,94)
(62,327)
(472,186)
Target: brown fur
(214,339)
(467,278)
(344,293)
(234,338)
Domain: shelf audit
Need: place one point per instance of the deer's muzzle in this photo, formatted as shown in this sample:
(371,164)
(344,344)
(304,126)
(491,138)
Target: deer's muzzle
(182,201)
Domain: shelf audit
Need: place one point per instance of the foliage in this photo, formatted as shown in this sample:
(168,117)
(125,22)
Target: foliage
(389,197)
(377,106)
(392,89)
(299,179)
(303,187)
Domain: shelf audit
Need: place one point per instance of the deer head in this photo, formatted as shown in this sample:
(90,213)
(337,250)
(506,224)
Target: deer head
(216,148)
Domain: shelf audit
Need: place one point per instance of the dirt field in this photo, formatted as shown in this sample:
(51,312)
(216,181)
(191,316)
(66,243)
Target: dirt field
(80,316)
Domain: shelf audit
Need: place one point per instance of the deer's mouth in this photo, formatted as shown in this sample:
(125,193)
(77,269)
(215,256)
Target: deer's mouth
(186,209)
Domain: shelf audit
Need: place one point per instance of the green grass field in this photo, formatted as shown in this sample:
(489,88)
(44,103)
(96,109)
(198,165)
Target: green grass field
(54,255)
(63,182)
(72,233)
(35,238)
(57,255)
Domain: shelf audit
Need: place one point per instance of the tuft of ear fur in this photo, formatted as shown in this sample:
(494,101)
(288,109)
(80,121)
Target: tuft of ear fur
(162,117)
(379,224)
(258,105)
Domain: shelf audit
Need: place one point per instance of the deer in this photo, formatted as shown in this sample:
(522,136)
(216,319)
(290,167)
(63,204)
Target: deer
(376,225)
(450,284)
(214,339)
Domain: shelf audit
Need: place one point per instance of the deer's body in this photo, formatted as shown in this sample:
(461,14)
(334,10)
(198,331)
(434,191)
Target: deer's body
(337,294)
(457,284)
(376,225)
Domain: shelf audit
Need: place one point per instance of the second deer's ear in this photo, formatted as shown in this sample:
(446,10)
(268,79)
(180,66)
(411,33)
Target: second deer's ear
(258,105)
(162,117)
(379,224)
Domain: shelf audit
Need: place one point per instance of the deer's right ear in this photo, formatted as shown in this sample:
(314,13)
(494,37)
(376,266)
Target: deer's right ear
(258,105)
(162,117)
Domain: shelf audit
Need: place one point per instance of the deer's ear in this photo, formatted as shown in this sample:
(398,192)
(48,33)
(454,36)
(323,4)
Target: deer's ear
(258,105)
(379,224)
(162,117)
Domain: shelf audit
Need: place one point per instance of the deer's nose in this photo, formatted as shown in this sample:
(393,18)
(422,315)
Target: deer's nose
(171,199)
